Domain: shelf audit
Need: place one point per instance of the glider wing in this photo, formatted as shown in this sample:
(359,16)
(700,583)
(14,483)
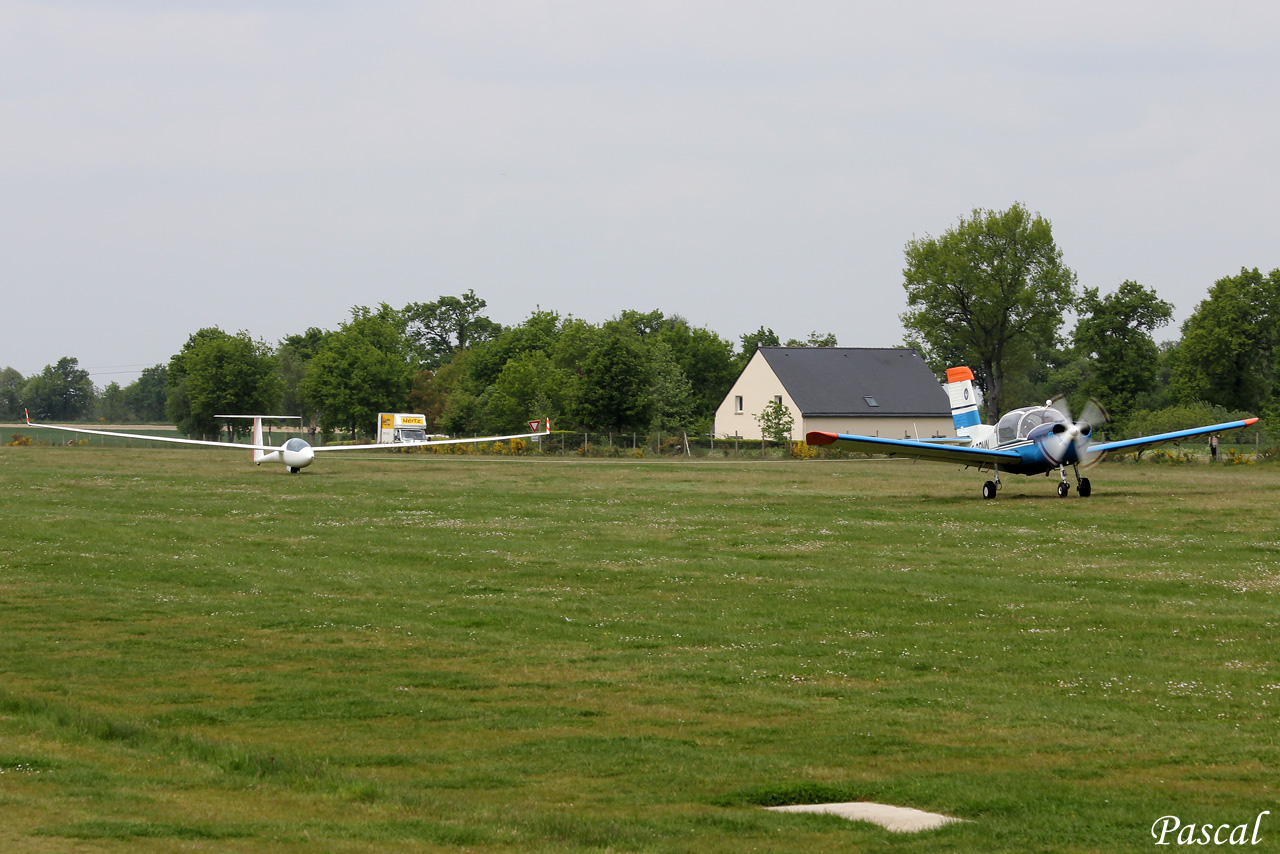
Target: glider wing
(384,446)
(175,440)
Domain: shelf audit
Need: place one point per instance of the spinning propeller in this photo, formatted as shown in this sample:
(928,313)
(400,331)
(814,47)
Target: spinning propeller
(1070,438)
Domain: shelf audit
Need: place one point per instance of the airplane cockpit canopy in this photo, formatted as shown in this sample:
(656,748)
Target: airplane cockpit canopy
(295,445)
(1017,424)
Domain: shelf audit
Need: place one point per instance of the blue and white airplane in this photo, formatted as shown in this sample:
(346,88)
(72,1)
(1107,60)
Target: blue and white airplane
(1031,440)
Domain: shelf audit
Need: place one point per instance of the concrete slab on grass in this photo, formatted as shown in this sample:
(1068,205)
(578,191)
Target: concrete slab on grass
(896,819)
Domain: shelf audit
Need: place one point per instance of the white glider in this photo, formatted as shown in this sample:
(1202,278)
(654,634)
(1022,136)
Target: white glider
(297,453)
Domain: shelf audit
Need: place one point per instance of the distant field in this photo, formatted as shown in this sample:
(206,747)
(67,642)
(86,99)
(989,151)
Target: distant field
(426,653)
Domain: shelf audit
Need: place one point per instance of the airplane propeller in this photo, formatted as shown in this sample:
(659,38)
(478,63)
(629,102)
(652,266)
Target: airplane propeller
(1076,434)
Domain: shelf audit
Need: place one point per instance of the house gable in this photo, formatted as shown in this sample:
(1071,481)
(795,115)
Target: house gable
(858,382)
(877,391)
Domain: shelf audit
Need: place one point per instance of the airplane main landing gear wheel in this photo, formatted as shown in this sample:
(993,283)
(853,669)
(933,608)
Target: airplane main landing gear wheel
(1063,489)
(989,489)
(1084,487)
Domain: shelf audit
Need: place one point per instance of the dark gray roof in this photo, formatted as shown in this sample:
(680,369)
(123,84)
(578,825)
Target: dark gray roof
(835,381)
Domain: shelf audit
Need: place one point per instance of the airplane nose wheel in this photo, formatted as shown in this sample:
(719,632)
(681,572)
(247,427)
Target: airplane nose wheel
(1063,489)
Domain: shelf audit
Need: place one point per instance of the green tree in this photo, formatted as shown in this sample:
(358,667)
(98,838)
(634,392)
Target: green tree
(1113,337)
(671,392)
(11,384)
(220,374)
(440,329)
(429,391)
(776,421)
(529,388)
(145,396)
(753,341)
(364,368)
(292,355)
(113,406)
(61,392)
(613,392)
(538,332)
(1229,348)
(990,293)
(814,340)
(708,364)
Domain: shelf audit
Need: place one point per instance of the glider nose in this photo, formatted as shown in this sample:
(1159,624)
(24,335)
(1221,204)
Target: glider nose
(297,454)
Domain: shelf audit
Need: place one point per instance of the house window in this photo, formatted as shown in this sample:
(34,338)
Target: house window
(737,404)
(777,398)
(871,401)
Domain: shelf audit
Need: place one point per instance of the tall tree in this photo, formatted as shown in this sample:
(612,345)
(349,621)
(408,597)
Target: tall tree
(814,340)
(11,384)
(113,407)
(753,341)
(613,392)
(293,354)
(441,328)
(487,359)
(220,374)
(363,369)
(1113,336)
(708,364)
(60,392)
(529,387)
(145,396)
(990,293)
(672,394)
(1230,344)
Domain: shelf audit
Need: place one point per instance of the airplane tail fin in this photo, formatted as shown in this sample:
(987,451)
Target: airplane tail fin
(260,456)
(257,440)
(964,401)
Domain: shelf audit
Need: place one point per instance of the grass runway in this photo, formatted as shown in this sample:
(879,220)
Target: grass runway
(427,653)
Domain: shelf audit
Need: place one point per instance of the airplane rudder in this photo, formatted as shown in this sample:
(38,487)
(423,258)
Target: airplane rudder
(964,401)
(257,440)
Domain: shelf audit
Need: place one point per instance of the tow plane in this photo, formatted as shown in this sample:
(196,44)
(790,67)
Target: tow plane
(296,454)
(1031,440)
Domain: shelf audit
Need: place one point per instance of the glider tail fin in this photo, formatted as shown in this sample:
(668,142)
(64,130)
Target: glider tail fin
(257,440)
(964,401)
(260,456)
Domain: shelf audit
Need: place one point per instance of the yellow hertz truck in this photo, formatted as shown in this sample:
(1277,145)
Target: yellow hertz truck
(396,427)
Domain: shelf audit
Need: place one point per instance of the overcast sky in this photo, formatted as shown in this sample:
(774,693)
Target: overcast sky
(166,166)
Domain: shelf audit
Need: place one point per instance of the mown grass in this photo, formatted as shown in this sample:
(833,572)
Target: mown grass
(445,654)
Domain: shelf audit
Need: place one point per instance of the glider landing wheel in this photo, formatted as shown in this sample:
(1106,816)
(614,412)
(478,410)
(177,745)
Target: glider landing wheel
(1084,488)
(293,470)
(989,489)
(1063,489)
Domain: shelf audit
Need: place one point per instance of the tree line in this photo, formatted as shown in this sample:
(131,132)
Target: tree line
(992,292)
(640,372)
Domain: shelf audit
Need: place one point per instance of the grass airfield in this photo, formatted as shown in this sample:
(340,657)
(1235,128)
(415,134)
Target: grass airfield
(427,653)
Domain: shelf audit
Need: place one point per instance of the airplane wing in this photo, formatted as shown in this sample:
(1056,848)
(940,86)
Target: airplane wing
(384,446)
(914,449)
(1162,438)
(174,439)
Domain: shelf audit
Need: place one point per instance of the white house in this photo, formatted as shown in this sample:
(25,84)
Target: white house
(887,392)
